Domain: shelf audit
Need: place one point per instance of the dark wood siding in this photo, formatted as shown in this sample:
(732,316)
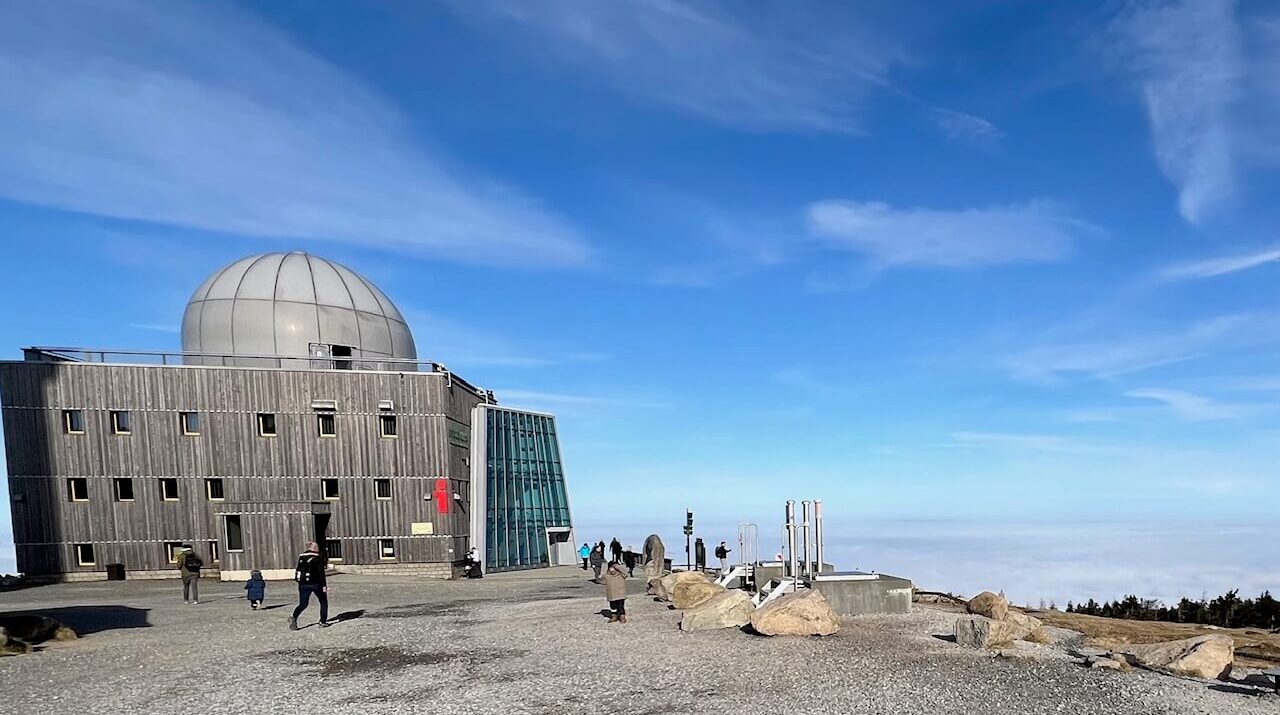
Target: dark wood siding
(266,472)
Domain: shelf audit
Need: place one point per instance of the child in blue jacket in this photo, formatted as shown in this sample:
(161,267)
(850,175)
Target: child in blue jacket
(257,589)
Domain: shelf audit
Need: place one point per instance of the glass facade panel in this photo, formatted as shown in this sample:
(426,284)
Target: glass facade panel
(525,489)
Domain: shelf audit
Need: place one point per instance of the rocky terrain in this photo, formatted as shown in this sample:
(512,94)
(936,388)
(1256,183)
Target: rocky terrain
(536,642)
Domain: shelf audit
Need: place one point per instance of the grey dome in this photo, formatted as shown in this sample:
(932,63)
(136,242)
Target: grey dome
(295,305)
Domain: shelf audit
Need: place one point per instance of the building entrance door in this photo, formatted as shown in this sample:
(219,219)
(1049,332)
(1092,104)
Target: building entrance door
(560,551)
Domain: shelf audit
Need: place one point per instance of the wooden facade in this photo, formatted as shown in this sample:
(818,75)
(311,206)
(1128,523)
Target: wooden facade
(274,484)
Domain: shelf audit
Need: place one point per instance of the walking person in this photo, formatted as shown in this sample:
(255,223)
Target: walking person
(597,560)
(310,577)
(615,549)
(629,558)
(189,565)
(615,592)
(722,553)
(585,554)
(255,589)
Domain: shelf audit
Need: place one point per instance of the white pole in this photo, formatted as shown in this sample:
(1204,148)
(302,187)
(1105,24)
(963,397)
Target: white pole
(791,538)
(817,527)
(804,528)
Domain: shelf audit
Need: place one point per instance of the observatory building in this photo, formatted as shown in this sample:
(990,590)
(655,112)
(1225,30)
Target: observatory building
(297,410)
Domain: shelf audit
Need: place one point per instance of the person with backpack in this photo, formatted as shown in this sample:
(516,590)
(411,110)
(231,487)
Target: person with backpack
(722,553)
(189,565)
(256,589)
(310,577)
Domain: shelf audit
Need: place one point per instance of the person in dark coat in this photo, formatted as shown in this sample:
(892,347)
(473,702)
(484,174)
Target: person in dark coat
(615,549)
(310,577)
(255,589)
(597,560)
(629,558)
(189,565)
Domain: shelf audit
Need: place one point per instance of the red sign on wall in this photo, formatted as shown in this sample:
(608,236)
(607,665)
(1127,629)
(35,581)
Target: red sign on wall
(441,496)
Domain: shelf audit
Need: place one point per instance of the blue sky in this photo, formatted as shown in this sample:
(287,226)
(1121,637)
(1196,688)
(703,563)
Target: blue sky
(1011,261)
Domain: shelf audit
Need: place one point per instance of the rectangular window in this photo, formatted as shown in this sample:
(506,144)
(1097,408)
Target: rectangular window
(386,548)
(266,424)
(73,421)
(329,488)
(172,549)
(213,551)
(84,554)
(333,549)
(387,426)
(169,488)
(327,423)
(189,422)
(124,489)
(120,422)
(213,489)
(78,489)
(235,536)
(382,489)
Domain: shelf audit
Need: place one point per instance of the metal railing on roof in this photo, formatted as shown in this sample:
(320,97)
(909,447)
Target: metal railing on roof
(208,359)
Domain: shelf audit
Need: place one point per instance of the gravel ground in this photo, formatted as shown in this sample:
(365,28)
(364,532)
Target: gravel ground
(532,642)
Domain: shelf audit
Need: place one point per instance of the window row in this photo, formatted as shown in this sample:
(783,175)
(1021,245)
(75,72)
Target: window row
(85,555)
(122,489)
(189,424)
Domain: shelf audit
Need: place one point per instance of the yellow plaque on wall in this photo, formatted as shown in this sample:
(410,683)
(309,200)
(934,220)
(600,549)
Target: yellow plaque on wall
(423,527)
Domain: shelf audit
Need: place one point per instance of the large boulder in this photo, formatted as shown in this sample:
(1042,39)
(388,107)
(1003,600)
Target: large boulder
(803,613)
(654,556)
(1023,621)
(1208,657)
(990,605)
(982,632)
(731,609)
(666,586)
(693,593)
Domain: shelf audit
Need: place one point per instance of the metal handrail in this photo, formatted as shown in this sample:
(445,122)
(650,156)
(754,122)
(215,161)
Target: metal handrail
(171,357)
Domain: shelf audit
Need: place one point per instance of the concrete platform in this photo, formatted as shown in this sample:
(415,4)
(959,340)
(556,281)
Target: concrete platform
(858,594)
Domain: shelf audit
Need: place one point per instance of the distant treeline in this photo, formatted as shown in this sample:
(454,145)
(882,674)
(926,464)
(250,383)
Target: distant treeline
(1227,610)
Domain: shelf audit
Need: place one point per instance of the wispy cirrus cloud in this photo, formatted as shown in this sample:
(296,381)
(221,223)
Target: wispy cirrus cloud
(1124,352)
(1033,232)
(202,116)
(812,68)
(1206,74)
(1187,405)
(1221,266)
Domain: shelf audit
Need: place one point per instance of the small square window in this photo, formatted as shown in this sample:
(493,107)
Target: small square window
(78,489)
(327,424)
(266,424)
(120,423)
(84,554)
(172,549)
(73,421)
(386,548)
(235,535)
(213,489)
(329,488)
(124,489)
(382,489)
(333,549)
(189,422)
(387,426)
(169,488)
(213,551)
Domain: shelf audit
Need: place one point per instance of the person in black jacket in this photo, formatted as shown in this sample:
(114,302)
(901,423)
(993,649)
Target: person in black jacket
(310,578)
